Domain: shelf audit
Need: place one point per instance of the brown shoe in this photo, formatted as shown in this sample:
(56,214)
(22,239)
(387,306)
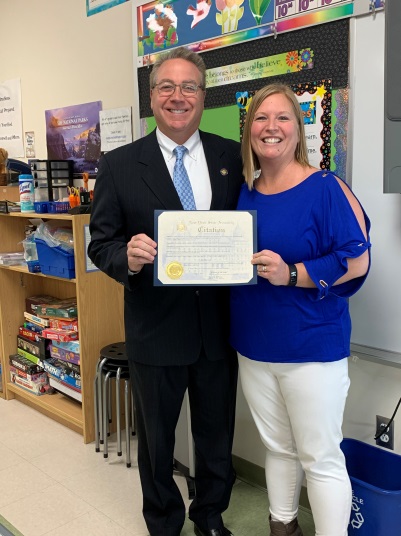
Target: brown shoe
(280,529)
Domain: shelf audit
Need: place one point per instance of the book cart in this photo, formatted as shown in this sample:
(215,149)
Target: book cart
(100,317)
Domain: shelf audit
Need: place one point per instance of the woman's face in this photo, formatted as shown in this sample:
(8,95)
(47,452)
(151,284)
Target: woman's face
(274,130)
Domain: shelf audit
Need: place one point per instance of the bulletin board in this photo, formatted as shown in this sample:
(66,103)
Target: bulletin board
(328,45)
(350,53)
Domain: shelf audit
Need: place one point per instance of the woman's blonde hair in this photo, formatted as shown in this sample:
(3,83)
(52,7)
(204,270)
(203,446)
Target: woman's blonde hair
(249,158)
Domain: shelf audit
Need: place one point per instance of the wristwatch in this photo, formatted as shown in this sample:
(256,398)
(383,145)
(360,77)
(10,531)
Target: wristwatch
(293,275)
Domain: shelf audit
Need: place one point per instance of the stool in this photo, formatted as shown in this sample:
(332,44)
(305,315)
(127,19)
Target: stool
(113,364)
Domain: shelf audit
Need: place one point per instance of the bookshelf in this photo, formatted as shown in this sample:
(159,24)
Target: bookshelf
(100,317)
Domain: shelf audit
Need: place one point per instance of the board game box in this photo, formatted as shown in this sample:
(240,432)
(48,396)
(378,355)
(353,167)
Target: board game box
(26,365)
(37,387)
(65,355)
(62,309)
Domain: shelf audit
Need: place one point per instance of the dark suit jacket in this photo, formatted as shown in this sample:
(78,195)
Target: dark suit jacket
(163,325)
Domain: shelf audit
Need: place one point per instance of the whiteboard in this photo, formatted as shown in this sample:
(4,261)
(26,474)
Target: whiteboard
(376,308)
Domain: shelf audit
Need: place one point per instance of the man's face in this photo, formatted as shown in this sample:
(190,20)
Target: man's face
(178,116)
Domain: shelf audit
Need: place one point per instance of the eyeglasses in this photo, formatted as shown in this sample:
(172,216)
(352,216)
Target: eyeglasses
(166,89)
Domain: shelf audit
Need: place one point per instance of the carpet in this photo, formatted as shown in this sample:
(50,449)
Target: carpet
(6,529)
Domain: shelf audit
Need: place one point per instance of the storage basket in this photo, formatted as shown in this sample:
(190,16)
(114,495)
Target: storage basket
(375,476)
(41,207)
(33,266)
(54,260)
(58,207)
(3,179)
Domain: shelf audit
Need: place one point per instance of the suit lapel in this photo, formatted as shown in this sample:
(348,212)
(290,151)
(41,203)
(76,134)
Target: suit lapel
(155,174)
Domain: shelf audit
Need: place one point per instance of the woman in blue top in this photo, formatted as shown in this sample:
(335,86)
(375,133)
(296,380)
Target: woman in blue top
(292,329)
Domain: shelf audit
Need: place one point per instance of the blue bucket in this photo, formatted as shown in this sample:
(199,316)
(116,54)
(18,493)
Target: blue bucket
(375,476)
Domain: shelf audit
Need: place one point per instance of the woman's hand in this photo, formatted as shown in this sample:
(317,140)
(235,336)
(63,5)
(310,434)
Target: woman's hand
(271,266)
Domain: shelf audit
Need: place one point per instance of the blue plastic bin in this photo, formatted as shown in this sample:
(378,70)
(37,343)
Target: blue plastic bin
(375,476)
(54,260)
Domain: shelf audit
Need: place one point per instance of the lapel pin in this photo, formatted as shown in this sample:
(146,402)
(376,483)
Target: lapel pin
(223,171)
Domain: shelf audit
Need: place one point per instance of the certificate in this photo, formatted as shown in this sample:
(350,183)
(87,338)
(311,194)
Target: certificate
(202,247)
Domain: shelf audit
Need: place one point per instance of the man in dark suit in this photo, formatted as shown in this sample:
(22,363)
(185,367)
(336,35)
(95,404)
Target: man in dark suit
(176,336)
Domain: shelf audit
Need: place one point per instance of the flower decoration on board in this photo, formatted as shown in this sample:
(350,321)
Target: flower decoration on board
(258,9)
(292,58)
(230,13)
(306,58)
(200,12)
(162,27)
(243,100)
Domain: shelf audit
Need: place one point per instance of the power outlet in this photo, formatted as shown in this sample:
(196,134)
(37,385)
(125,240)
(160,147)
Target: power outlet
(386,439)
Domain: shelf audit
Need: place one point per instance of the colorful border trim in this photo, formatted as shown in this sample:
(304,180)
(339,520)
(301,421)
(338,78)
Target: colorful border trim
(310,19)
(325,132)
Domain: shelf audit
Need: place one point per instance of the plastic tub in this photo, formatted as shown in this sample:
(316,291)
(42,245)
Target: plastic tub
(58,207)
(55,260)
(41,207)
(375,476)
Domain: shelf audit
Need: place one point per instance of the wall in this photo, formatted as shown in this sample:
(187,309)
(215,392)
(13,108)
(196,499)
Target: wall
(375,311)
(64,57)
(375,388)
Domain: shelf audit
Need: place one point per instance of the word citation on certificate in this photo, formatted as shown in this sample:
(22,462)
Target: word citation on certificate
(202,247)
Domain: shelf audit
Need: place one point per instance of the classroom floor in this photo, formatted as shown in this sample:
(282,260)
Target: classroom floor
(51,483)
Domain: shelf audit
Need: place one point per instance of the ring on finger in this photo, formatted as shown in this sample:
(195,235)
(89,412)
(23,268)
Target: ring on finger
(264,268)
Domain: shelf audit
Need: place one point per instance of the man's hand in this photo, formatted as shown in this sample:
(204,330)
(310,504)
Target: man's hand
(140,250)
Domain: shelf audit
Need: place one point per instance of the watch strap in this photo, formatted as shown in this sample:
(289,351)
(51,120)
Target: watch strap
(293,275)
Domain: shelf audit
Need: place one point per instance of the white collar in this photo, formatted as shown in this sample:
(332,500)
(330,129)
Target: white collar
(193,144)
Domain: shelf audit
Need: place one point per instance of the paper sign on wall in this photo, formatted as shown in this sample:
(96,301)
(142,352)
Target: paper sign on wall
(115,128)
(11,136)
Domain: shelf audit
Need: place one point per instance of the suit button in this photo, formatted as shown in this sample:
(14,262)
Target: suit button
(197,292)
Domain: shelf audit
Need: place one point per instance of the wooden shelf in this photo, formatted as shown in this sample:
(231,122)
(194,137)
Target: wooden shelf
(100,316)
(59,407)
(24,270)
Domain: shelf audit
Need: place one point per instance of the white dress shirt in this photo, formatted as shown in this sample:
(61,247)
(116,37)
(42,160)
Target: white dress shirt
(195,164)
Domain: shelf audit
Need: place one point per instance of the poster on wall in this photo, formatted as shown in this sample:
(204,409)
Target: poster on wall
(73,133)
(95,6)
(11,136)
(207,24)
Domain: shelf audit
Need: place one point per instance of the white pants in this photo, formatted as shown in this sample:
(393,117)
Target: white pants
(298,410)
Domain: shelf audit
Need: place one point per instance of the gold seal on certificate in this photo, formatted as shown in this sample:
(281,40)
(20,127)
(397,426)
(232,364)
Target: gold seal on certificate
(174,270)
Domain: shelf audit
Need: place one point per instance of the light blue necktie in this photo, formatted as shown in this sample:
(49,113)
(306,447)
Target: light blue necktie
(181,180)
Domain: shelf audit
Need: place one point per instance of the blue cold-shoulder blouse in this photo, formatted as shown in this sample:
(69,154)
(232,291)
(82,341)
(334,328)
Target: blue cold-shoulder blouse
(311,223)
